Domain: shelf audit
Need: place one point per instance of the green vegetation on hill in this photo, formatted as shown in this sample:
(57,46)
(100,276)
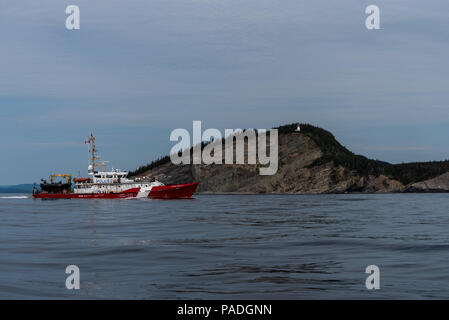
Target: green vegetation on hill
(156,163)
(160,161)
(416,171)
(333,151)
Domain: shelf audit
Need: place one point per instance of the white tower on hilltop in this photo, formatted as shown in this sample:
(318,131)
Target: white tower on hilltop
(298,128)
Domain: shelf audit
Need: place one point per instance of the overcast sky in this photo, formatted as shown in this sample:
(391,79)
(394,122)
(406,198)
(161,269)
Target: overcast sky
(138,69)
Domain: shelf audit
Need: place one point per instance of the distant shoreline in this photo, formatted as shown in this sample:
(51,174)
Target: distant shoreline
(20,188)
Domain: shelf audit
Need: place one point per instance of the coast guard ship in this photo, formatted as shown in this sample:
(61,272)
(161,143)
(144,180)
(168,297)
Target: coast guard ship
(108,184)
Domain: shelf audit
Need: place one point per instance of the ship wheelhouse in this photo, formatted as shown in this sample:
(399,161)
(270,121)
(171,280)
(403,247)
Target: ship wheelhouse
(110,177)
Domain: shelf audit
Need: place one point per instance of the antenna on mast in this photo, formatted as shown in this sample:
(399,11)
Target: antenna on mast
(93,154)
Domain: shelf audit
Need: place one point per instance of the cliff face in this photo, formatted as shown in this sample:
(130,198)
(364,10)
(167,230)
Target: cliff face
(438,184)
(296,174)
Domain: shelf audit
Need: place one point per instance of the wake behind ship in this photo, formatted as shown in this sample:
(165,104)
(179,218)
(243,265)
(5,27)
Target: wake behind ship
(105,184)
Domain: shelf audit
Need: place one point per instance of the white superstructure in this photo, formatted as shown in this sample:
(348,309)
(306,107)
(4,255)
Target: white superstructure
(114,181)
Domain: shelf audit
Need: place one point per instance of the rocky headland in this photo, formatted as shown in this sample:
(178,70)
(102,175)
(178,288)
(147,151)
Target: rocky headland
(311,161)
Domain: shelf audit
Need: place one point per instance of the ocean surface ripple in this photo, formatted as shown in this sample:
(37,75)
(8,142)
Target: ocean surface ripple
(226,247)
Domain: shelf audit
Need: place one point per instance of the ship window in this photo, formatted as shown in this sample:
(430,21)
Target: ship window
(98,176)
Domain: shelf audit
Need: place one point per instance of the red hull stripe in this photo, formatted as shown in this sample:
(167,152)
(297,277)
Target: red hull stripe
(176,191)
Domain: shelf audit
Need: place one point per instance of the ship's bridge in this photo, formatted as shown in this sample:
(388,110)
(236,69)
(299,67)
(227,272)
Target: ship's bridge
(110,177)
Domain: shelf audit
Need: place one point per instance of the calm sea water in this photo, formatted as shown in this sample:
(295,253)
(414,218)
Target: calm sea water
(226,247)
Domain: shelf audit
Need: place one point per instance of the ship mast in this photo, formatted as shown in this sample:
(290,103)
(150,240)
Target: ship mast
(94,157)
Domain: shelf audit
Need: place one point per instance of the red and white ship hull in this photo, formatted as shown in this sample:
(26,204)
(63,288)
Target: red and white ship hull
(178,191)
